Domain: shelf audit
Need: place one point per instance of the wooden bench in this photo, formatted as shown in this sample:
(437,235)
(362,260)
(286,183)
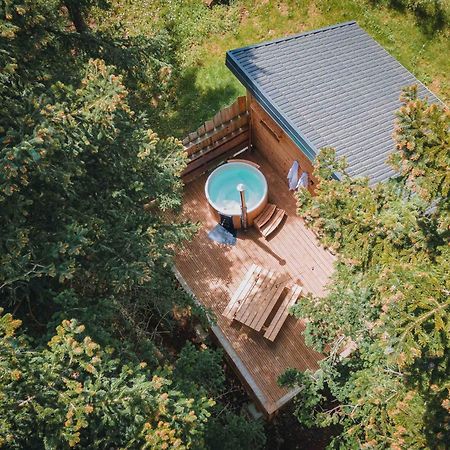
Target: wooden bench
(268,302)
(252,302)
(269,220)
(242,291)
(282,313)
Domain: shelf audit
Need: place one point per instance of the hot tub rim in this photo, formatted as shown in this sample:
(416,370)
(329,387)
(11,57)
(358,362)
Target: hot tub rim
(237,163)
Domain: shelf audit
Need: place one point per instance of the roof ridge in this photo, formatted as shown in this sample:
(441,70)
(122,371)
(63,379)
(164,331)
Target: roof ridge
(295,36)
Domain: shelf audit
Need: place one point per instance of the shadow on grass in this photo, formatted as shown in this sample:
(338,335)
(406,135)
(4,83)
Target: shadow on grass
(431,16)
(194,105)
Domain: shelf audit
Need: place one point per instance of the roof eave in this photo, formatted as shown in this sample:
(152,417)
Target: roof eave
(270,108)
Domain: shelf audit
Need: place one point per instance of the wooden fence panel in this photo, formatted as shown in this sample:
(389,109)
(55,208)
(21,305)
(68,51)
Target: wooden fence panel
(216,134)
(226,131)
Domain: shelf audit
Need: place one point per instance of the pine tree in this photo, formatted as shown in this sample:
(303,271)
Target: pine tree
(89,196)
(389,296)
(76,394)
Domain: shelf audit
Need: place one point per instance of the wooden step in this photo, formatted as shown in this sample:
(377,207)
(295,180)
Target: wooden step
(272,224)
(262,219)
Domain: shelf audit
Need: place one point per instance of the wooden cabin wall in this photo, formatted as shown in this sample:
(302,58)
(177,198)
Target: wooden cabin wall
(279,149)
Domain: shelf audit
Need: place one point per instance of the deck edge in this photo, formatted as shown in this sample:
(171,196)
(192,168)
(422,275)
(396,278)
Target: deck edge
(284,400)
(269,407)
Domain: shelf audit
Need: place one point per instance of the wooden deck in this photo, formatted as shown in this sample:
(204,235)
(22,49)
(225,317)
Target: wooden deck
(213,272)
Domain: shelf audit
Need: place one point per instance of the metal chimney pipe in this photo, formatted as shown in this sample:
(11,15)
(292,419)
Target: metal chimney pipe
(241,189)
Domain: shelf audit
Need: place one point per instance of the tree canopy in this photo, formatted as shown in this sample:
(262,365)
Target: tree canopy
(89,196)
(389,298)
(74,393)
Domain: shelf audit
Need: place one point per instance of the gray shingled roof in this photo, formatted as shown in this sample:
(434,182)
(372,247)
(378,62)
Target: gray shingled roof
(330,87)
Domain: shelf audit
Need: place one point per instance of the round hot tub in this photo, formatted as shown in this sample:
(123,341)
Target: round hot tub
(223,194)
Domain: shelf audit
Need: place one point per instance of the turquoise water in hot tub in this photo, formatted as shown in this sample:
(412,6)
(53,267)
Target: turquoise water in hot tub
(223,182)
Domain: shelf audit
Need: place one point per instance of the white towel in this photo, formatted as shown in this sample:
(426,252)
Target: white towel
(293,176)
(303,182)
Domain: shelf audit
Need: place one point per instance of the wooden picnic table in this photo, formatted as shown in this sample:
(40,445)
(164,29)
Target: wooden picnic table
(255,298)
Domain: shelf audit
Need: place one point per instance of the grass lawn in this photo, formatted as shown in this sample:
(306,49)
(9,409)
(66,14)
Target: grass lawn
(206,84)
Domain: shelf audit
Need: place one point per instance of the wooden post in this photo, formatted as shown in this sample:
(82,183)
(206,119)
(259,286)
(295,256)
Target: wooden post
(241,189)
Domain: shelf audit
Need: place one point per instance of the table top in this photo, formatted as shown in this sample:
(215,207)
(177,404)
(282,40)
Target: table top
(256,296)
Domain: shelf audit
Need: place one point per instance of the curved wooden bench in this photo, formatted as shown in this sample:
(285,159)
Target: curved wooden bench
(269,220)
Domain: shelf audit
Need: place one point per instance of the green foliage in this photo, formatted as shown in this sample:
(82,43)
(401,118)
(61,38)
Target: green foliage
(89,197)
(78,165)
(234,432)
(57,52)
(200,369)
(310,391)
(423,143)
(75,393)
(388,299)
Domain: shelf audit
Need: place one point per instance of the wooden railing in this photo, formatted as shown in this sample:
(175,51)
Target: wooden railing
(224,135)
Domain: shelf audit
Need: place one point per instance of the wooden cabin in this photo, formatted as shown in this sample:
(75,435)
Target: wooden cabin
(332,87)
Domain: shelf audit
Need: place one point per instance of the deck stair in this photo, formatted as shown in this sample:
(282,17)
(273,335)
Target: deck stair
(269,220)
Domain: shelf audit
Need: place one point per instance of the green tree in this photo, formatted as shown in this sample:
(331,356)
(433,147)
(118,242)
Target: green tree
(422,157)
(89,196)
(78,165)
(74,184)
(389,296)
(75,393)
